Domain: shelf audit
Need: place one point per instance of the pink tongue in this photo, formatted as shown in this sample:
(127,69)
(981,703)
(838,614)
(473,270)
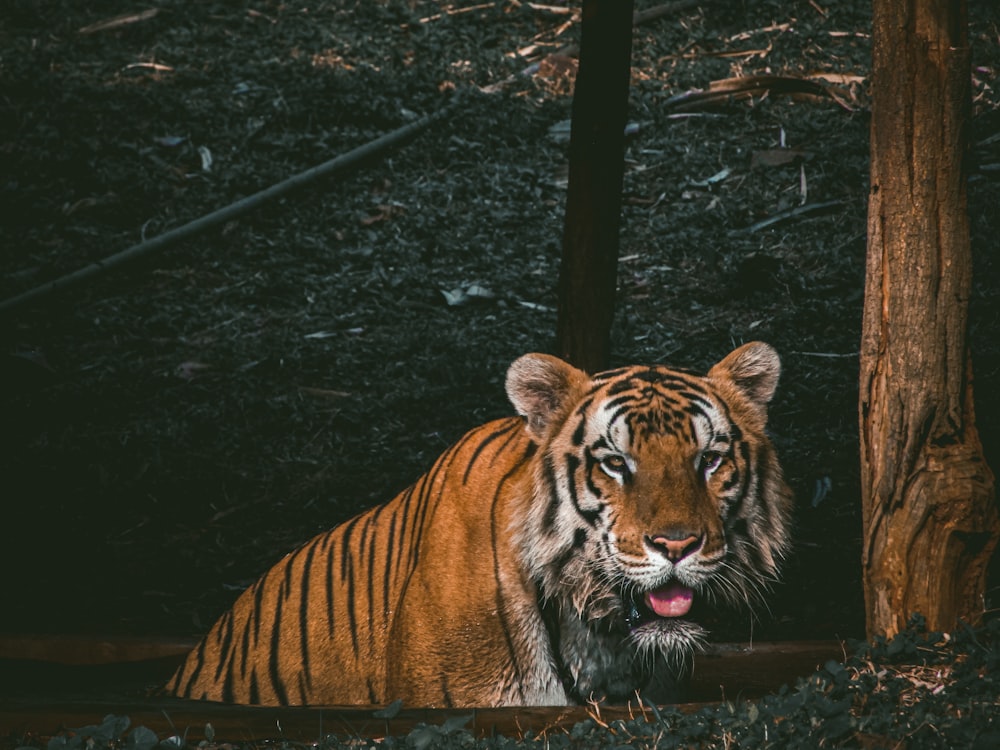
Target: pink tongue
(673,600)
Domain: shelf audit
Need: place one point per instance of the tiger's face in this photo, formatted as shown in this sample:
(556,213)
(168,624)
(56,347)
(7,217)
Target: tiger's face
(654,488)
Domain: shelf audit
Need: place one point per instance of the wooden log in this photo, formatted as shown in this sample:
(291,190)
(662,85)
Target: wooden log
(76,681)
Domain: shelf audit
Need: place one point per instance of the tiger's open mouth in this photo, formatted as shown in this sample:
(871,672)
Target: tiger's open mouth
(670,601)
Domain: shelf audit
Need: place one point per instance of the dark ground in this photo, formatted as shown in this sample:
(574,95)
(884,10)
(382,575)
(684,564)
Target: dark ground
(172,430)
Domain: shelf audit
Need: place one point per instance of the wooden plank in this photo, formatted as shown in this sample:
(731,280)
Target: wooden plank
(92,649)
(59,687)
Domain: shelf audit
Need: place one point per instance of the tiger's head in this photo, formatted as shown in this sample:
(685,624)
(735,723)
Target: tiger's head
(653,488)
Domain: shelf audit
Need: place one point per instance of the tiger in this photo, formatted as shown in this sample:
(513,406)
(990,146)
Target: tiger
(546,559)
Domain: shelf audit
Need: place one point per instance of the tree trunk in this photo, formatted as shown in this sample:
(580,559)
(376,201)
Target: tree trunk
(589,271)
(930,516)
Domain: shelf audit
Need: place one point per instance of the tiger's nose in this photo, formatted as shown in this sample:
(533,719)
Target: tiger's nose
(675,545)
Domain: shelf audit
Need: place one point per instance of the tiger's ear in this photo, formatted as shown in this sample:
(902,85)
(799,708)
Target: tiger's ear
(541,387)
(754,369)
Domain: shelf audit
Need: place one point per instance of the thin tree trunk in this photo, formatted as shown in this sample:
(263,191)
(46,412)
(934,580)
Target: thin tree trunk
(589,271)
(930,516)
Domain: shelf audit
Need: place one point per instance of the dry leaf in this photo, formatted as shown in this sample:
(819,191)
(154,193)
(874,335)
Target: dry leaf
(778,157)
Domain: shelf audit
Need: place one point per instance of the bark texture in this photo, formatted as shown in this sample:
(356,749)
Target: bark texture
(589,272)
(928,498)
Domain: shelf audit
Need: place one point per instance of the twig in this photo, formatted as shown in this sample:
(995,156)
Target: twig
(556,10)
(744,35)
(454,12)
(792,213)
(158,67)
(125,19)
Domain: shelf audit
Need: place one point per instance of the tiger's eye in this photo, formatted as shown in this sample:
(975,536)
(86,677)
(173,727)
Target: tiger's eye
(615,465)
(710,461)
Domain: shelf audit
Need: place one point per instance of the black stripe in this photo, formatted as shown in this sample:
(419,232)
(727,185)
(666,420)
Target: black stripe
(347,574)
(227,695)
(391,560)
(734,479)
(229,652)
(581,411)
(674,379)
(696,400)
(245,646)
(223,640)
(507,429)
(288,572)
(422,506)
(498,585)
(552,508)
(304,606)
(254,688)
(764,477)
(372,536)
(445,693)
(445,459)
(328,556)
(512,438)
(345,549)
(199,662)
(563,558)
(402,517)
(572,462)
(620,405)
(258,598)
(591,462)
(603,377)
(745,476)
(303,681)
(550,618)
(274,660)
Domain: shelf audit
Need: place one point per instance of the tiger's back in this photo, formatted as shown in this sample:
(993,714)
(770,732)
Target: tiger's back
(316,628)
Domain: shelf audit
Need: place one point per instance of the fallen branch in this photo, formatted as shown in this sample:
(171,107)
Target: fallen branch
(338,164)
(745,87)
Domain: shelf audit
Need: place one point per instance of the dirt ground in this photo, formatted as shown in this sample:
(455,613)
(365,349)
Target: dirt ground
(172,428)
